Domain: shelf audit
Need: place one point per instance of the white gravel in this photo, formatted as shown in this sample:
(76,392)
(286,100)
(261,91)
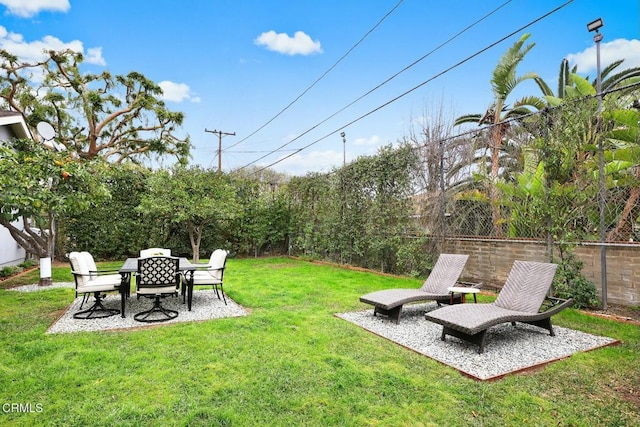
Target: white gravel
(508,349)
(205,306)
(36,288)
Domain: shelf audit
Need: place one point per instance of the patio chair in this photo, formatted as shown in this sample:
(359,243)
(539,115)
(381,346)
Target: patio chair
(444,275)
(213,273)
(89,280)
(144,253)
(522,299)
(157,277)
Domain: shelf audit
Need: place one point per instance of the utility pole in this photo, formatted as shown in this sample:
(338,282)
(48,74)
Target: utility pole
(220,134)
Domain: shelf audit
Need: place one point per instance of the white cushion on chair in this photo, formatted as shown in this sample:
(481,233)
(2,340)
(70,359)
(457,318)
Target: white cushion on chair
(146,253)
(207,277)
(156,291)
(213,274)
(88,279)
(101,284)
(89,263)
(217,260)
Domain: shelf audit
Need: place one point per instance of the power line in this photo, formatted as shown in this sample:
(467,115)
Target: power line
(459,33)
(254,151)
(417,86)
(564,104)
(321,76)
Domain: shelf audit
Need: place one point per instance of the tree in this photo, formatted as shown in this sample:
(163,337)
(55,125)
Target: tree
(37,186)
(194,197)
(620,137)
(116,117)
(264,215)
(566,82)
(113,230)
(499,114)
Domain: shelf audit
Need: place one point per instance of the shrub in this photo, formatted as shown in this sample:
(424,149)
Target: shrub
(27,263)
(569,282)
(9,270)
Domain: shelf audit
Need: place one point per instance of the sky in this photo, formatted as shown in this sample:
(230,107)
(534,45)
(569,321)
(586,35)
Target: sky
(288,76)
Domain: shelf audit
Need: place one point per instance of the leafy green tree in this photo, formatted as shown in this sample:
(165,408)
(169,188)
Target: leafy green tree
(361,214)
(263,221)
(115,117)
(310,206)
(504,80)
(38,186)
(113,229)
(193,197)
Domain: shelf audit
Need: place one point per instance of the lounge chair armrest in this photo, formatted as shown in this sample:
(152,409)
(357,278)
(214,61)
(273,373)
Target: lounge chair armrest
(552,305)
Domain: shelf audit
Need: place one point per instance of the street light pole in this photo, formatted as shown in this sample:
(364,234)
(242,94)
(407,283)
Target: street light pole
(344,148)
(597,38)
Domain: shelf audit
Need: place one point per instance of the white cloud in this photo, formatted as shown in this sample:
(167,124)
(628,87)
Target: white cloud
(35,51)
(29,8)
(629,50)
(313,161)
(177,92)
(299,44)
(94,56)
(371,141)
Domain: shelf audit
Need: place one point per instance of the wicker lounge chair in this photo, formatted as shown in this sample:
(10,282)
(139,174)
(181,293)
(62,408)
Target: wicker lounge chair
(522,299)
(444,275)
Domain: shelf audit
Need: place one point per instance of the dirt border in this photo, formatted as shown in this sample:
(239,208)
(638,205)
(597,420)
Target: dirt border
(614,317)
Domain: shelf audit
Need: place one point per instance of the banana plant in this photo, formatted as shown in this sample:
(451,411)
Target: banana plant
(622,165)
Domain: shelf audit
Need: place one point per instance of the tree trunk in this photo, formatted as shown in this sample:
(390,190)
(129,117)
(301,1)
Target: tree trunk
(195,237)
(40,244)
(496,139)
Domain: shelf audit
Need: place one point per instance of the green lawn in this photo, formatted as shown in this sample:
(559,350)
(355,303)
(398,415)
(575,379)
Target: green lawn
(289,363)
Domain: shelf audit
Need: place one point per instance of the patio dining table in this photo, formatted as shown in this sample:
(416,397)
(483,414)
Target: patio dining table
(131,266)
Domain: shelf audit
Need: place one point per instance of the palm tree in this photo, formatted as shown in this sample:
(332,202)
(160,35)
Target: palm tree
(566,81)
(499,115)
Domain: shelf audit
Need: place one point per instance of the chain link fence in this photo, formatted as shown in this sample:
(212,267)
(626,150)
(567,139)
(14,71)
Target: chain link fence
(537,179)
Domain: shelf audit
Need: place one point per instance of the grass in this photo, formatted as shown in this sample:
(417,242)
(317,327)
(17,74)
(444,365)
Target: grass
(289,363)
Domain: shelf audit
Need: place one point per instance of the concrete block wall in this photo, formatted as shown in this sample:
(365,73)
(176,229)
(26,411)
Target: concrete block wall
(491,259)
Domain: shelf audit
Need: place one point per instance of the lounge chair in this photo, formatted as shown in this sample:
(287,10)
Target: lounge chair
(444,275)
(522,299)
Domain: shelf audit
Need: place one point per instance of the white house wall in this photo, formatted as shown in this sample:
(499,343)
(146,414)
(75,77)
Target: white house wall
(12,125)
(10,252)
